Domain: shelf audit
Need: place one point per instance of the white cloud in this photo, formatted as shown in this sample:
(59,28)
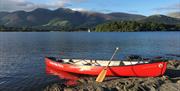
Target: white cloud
(9,5)
(79,9)
(27,5)
(166,9)
(169,8)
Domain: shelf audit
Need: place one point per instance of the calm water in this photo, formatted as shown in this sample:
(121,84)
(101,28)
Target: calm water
(22,54)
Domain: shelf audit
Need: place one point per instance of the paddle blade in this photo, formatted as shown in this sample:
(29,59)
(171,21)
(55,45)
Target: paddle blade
(101,76)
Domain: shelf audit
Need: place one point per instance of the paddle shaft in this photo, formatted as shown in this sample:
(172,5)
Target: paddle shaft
(112,57)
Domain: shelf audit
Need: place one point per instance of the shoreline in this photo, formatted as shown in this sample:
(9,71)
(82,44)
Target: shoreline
(91,31)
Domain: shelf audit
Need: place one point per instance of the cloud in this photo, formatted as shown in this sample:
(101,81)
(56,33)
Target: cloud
(106,10)
(79,9)
(28,5)
(173,7)
(9,5)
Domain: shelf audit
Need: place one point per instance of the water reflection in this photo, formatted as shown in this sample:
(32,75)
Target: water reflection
(71,79)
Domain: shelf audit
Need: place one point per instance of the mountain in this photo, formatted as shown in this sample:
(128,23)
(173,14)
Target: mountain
(126,16)
(46,17)
(64,17)
(2,14)
(161,19)
(174,14)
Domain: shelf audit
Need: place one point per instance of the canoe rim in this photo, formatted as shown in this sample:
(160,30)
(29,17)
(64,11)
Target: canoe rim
(159,61)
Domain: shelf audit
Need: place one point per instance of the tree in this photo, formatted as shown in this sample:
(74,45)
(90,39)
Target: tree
(131,26)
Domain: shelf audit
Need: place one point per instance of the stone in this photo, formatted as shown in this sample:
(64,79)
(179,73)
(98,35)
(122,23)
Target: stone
(55,87)
(178,81)
(152,89)
(99,89)
(118,88)
(178,67)
(81,81)
(68,89)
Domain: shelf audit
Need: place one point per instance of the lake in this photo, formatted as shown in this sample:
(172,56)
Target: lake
(22,53)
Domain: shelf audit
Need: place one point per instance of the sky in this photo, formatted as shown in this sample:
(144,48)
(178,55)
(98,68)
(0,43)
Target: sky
(144,7)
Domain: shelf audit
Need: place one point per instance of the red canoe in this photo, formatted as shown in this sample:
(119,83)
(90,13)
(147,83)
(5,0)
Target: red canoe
(116,68)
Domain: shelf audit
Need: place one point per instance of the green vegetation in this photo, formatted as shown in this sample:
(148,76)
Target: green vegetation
(19,29)
(133,26)
(59,22)
(40,29)
(113,26)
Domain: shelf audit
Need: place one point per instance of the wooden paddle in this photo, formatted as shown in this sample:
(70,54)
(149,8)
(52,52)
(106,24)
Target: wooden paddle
(102,74)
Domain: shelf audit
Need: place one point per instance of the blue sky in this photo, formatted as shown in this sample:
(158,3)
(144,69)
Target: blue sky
(144,7)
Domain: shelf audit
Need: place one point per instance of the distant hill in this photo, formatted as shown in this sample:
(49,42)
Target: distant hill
(161,19)
(64,17)
(126,16)
(2,14)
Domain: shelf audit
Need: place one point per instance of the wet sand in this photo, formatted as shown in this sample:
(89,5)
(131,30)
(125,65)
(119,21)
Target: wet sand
(169,82)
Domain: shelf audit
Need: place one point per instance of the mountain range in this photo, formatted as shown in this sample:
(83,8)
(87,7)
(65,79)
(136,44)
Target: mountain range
(64,17)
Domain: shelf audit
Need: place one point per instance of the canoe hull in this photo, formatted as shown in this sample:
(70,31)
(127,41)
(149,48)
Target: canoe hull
(138,70)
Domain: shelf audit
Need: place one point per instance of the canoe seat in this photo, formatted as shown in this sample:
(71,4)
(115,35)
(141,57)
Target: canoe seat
(92,62)
(121,63)
(70,60)
(60,60)
(88,64)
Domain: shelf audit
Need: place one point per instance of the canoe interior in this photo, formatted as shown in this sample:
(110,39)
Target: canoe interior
(99,62)
(102,62)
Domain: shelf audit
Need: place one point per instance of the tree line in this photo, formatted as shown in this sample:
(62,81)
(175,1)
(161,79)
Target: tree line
(39,29)
(133,26)
(18,29)
(113,26)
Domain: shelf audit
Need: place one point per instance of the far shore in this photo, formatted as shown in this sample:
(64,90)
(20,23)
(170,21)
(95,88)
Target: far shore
(89,32)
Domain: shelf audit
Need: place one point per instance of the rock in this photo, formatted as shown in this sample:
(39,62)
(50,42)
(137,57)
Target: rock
(125,89)
(170,87)
(178,67)
(90,88)
(129,85)
(68,89)
(178,81)
(99,89)
(81,89)
(152,89)
(163,78)
(118,88)
(174,64)
(82,81)
(90,80)
(55,87)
